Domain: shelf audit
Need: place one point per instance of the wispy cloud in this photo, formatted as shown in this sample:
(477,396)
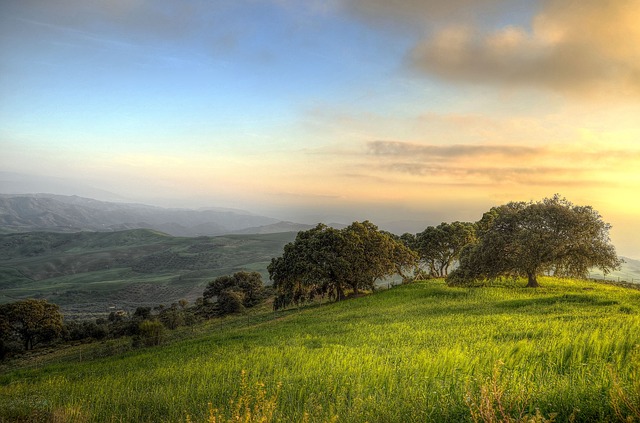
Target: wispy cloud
(477,165)
(400,149)
(483,175)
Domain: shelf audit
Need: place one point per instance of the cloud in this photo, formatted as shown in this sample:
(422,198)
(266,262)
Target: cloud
(487,175)
(593,46)
(577,48)
(479,165)
(396,148)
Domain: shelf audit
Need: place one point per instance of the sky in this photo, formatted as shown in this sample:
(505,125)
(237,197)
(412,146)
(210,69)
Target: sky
(408,111)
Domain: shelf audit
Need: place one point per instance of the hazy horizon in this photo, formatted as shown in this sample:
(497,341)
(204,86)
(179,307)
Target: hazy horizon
(414,111)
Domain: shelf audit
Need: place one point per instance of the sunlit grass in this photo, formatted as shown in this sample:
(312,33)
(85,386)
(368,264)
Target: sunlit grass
(421,352)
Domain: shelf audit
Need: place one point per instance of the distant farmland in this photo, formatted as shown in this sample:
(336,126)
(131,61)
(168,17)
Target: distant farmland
(89,273)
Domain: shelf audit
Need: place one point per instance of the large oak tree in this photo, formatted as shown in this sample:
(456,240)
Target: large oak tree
(328,261)
(531,238)
(31,321)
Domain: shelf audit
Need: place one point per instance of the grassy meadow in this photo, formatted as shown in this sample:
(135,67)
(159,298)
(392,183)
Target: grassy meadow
(414,353)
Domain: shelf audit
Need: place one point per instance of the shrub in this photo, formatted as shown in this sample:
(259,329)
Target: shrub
(150,333)
(230,301)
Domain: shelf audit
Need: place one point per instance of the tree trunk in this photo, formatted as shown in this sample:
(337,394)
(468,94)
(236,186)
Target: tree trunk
(533,282)
(340,293)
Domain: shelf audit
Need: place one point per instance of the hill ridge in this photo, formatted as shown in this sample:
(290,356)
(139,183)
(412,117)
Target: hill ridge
(418,352)
(58,213)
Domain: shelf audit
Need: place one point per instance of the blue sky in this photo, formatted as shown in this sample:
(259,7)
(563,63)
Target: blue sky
(407,111)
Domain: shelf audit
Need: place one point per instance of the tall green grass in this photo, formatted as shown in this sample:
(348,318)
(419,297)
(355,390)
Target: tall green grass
(415,353)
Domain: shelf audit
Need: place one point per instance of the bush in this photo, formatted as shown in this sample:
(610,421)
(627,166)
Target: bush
(247,284)
(230,301)
(172,318)
(76,331)
(150,333)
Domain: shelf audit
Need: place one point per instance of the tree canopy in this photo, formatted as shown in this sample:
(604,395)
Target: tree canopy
(233,292)
(327,261)
(31,321)
(531,238)
(441,245)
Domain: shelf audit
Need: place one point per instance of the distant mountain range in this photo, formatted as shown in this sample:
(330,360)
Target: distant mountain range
(60,213)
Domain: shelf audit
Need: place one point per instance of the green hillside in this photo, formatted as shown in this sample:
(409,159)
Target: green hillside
(414,353)
(86,273)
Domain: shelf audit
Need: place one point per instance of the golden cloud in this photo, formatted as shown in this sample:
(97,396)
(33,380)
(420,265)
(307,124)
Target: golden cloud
(546,165)
(579,48)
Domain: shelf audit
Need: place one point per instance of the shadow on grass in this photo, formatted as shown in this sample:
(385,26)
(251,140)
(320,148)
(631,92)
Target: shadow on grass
(572,299)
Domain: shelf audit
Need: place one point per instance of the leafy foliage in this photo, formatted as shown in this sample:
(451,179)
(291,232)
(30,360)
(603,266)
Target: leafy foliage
(528,239)
(441,245)
(150,332)
(233,292)
(76,331)
(327,261)
(31,321)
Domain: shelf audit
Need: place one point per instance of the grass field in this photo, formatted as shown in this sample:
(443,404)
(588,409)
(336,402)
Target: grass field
(414,353)
(87,272)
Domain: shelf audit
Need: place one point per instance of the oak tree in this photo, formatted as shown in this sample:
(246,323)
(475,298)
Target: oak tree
(528,239)
(440,246)
(327,261)
(31,321)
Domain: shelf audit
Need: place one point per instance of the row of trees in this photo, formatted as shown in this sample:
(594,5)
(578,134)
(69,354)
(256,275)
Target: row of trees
(29,323)
(518,239)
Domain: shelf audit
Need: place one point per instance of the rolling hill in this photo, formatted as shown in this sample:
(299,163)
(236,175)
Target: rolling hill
(414,353)
(630,272)
(89,273)
(58,213)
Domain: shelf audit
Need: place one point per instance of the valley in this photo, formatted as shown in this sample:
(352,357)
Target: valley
(90,274)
